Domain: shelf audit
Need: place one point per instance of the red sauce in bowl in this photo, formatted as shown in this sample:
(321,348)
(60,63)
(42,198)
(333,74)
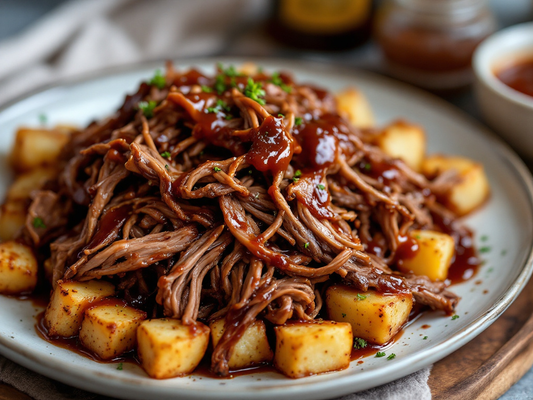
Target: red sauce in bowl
(518,76)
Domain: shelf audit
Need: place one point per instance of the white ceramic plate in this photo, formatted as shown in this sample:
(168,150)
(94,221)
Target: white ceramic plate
(505,220)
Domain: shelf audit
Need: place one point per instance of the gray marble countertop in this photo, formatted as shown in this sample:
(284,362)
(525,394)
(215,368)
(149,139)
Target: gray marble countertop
(15,15)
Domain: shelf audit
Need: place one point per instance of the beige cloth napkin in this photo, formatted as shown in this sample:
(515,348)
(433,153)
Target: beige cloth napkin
(87,35)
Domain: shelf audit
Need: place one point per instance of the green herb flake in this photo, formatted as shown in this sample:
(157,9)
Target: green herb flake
(217,169)
(380,354)
(320,186)
(368,167)
(43,119)
(425,338)
(158,80)
(220,84)
(298,121)
(504,252)
(167,167)
(454,317)
(360,296)
(228,117)
(418,237)
(147,108)
(276,80)
(490,269)
(359,343)
(484,249)
(166,154)
(484,238)
(254,91)
(206,89)
(38,222)
(120,366)
(391,356)
(306,246)
(343,315)
(281,115)
(298,173)
(230,71)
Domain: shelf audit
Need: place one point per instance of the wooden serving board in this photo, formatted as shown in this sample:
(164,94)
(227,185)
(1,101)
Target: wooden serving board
(484,369)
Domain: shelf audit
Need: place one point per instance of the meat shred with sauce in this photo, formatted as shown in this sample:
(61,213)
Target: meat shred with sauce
(233,196)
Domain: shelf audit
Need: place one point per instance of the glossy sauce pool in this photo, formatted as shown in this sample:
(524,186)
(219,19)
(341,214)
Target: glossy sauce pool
(518,76)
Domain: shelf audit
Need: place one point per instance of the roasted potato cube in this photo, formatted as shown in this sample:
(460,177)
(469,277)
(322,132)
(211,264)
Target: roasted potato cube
(12,219)
(251,349)
(168,348)
(18,268)
(25,183)
(374,317)
(353,105)
(36,148)
(309,348)
(69,300)
(473,188)
(433,256)
(405,141)
(249,68)
(110,328)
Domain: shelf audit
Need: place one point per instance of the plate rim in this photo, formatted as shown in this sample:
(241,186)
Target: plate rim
(105,384)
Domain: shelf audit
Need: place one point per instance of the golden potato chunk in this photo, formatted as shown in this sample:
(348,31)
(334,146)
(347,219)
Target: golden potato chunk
(251,349)
(433,256)
(25,183)
(18,268)
(168,348)
(69,300)
(109,328)
(373,316)
(473,188)
(37,148)
(12,219)
(353,105)
(405,141)
(309,348)
(249,68)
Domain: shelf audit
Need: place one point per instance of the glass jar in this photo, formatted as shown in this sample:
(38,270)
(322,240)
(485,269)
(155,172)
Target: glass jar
(430,43)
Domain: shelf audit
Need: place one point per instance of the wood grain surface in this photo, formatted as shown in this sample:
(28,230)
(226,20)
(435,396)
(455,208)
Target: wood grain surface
(484,369)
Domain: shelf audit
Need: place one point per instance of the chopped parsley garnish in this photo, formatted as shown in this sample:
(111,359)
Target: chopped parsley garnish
(380,354)
(166,154)
(367,167)
(158,80)
(206,89)
(484,238)
(38,222)
(360,296)
(276,80)
(391,356)
(296,176)
(425,338)
(306,246)
(250,171)
(147,108)
(120,366)
(281,115)
(228,117)
(167,167)
(359,343)
(230,71)
(298,121)
(220,85)
(220,105)
(343,315)
(455,317)
(320,186)
(43,119)
(217,169)
(254,91)
(490,270)
(484,249)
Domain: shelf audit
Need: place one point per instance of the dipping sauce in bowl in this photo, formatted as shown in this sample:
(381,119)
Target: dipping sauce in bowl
(518,76)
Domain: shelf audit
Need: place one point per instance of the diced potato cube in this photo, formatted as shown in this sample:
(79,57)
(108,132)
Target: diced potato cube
(309,348)
(473,189)
(12,219)
(18,268)
(25,183)
(405,141)
(168,348)
(251,349)
(374,317)
(352,104)
(248,68)
(433,256)
(36,148)
(69,300)
(109,328)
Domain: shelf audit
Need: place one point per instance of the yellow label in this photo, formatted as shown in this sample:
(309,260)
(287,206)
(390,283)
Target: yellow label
(324,16)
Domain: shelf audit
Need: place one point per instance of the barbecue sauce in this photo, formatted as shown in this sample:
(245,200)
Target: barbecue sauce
(518,76)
